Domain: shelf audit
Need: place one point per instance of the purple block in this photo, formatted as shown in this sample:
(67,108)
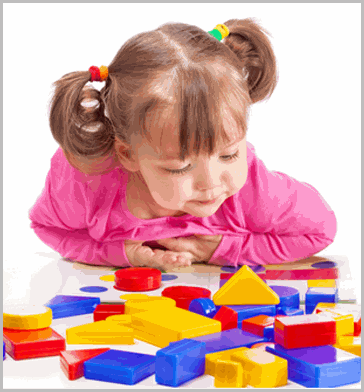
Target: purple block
(248,311)
(289,297)
(229,339)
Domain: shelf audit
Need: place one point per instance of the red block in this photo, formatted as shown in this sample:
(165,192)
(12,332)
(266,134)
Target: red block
(228,318)
(308,330)
(103,311)
(257,324)
(72,361)
(183,295)
(24,344)
(357,327)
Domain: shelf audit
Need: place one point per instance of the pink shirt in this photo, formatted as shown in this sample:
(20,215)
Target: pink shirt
(273,219)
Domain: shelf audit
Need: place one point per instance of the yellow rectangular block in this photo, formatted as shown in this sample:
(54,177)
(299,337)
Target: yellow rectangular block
(175,324)
(349,343)
(155,340)
(229,374)
(344,322)
(262,369)
(212,358)
(322,283)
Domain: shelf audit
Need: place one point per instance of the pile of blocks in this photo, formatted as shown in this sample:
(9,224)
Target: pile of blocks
(248,334)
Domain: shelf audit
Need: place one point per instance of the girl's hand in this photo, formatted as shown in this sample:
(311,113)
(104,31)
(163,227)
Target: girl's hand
(201,247)
(144,256)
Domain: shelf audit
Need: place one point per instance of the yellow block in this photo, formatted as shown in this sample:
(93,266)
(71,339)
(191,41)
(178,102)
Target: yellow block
(349,343)
(174,324)
(322,283)
(27,317)
(245,288)
(140,305)
(344,322)
(212,358)
(262,369)
(229,374)
(100,332)
(122,319)
(136,296)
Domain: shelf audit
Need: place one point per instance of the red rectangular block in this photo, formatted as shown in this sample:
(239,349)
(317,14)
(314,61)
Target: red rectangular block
(257,324)
(102,312)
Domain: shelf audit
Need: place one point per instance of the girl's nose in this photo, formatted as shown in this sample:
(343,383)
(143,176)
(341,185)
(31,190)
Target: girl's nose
(208,179)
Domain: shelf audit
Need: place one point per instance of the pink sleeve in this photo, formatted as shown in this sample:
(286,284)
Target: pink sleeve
(279,220)
(59,219)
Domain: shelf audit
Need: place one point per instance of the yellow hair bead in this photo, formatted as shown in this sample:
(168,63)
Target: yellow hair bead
(223,30)
(104,73)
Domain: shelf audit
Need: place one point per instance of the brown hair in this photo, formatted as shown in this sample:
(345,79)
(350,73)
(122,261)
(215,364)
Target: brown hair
(175,75)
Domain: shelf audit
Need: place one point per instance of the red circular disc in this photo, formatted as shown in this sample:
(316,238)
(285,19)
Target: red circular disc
(138,279)
(183,295)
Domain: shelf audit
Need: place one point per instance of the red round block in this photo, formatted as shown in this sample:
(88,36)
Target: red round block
(183,295)
(138,279)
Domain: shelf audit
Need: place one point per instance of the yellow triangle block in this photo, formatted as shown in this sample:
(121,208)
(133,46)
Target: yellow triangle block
(245,288)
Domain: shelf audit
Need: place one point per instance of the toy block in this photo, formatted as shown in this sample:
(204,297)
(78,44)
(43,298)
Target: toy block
(163,326)
(137,279)
(227,317)
(245,288)
(212,358)
(100,332)
(184,295)
(33,344)
(71,305)
(263,345)
(180,362)
(223,281)
(289,297)
(72,361)
(4,351)
(314,295)
(256,325)
(290,312)
(349,343)
(320,367)
(102,311)
(135,297)
(304,331)
(322,283)
(229,374)
(27,317)
(229,339)
(203,306)
(344,322)
(246,311)
(149,304)
(121,319)
(121,367)
(262,369)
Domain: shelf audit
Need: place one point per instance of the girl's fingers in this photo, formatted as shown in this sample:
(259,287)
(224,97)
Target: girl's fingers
(157,258)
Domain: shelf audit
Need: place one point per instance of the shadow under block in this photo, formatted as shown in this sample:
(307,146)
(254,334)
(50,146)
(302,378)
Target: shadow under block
(121,367)
(100,332)
(71,305)
(262,369)
(245,288)
(165,326)
(320,367)
(33,344)
(180,362)
(229,374)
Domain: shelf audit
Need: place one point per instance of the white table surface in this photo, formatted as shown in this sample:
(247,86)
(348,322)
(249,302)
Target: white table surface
(56,276)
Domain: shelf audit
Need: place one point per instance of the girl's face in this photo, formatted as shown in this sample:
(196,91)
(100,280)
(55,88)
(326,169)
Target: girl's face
(197,186)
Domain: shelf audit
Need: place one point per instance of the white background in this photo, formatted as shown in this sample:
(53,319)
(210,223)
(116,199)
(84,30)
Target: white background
(309,128)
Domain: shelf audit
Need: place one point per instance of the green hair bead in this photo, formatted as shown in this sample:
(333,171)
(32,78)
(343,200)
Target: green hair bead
(216,33)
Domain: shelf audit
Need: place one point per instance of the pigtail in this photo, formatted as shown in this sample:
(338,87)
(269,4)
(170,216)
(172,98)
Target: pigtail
(248,40)
(83,131)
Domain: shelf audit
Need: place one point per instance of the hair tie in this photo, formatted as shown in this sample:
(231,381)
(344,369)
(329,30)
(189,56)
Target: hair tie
(99,74)
(220,32)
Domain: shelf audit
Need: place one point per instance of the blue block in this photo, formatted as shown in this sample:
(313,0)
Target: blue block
(289,297)
(289,311)
(314,295)
(4,355)
(229,339)
(180,362)
(269,333)
(320,367)
(248,311)
(71,305)
(121,367)
(203,306)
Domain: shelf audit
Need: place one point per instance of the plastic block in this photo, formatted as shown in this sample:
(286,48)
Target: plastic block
(4,351)
(344,322)
(180,362)
(72,361)
(262,369)
(169,326)
(138,279)
(223,281)
(229,339)
(121,367)
(121,319)
(102,311)
(304,331)
(320,367)
(290,312)
(211,359)
(100,332)
(203,306)
(238,290)
(227,317)
(321,283)
(27,317)
(33,344)
(229,374)
(315,295)
(148,304)
(349,343)
(289,297)
(247,311)
(257,324)
(70,305)
(183,295)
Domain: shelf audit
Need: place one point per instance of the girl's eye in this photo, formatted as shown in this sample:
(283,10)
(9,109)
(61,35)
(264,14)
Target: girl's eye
(230,157)
(179,171)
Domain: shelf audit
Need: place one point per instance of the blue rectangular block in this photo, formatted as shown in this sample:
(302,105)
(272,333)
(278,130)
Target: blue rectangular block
(180,362)
(229,339)
(314,295)
(71,305)
(121,367)
(320,367)
(248,311)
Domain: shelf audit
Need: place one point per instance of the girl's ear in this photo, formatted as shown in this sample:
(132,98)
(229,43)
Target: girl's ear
(126,156)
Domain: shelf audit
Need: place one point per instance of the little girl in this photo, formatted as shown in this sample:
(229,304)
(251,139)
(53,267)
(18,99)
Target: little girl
(159,172)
